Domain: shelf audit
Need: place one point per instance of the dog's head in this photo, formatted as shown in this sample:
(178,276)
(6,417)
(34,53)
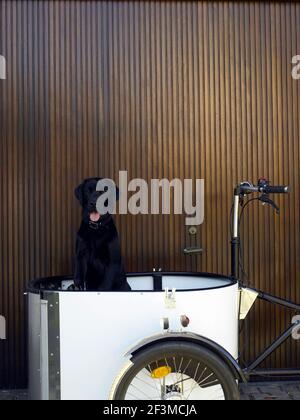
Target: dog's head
(87,195)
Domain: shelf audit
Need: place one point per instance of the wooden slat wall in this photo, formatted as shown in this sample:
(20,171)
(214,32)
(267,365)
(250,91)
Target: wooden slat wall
(161,89)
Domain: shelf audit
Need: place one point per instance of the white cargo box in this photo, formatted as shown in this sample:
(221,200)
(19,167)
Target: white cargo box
(79,341)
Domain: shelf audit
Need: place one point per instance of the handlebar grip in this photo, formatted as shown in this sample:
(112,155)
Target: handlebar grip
(276,189)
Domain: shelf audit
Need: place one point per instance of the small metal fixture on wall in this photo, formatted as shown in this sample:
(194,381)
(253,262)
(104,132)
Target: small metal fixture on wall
(193,250)
(2,67)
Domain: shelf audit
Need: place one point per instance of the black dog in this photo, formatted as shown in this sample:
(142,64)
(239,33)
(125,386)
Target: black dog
(98,254)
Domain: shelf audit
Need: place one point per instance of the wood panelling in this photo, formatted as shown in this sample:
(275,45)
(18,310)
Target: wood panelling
(161,89)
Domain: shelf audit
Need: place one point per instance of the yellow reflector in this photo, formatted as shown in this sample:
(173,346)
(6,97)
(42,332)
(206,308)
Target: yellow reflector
(161,372)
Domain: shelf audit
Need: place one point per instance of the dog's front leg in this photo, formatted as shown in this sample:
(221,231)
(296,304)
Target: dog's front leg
(80,273)
(105,273)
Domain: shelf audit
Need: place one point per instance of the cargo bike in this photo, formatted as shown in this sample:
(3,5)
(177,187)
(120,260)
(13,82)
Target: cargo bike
(173,337)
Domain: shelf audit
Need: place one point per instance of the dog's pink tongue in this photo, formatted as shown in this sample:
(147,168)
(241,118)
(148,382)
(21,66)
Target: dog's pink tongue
(94,217)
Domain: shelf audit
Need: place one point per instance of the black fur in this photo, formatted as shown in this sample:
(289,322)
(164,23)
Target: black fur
(98,254)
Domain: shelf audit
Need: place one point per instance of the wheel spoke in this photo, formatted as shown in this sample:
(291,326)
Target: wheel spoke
(201,376)
(187,366)
(209,376)
(212,383)
(196,384)
(176,372)
(179,369)
(147,383)
(139,390)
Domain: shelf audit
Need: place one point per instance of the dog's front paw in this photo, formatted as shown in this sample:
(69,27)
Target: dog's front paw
(78,284)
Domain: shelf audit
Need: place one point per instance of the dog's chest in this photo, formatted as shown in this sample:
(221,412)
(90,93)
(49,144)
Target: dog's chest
(98,244)
(98,248)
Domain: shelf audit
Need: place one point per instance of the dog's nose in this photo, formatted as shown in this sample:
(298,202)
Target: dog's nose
(93,199)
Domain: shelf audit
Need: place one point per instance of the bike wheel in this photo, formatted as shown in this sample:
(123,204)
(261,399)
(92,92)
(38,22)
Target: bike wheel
(175,370)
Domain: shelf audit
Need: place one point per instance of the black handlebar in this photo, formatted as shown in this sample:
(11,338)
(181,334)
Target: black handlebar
(277,190)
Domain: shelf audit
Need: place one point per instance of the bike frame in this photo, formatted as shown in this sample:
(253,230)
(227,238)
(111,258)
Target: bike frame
(252,369)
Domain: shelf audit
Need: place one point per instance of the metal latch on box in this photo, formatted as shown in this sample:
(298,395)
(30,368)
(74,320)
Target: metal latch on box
(247,298)
(2,328)
(170,298)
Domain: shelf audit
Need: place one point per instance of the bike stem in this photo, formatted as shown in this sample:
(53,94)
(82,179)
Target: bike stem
(240,191)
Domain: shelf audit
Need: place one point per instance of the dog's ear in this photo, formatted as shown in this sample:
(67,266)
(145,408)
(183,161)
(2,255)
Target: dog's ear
(88,186)
(79,193)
